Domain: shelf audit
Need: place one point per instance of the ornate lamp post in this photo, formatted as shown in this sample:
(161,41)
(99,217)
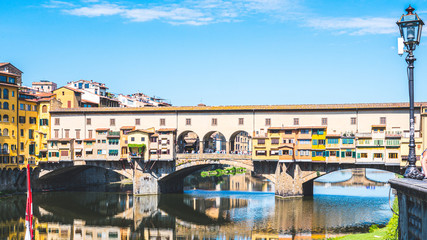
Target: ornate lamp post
(410,26)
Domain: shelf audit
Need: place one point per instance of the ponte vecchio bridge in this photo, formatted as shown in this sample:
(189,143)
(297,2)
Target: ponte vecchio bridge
(287,144)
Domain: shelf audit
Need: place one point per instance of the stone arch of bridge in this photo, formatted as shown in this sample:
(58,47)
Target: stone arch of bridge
(188,141)
(59,177)
(214,141)
(188,168)
(240,141)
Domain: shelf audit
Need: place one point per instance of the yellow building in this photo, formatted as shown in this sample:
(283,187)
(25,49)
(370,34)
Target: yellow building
(27,126)
(318,143)
(138,141)
(9,85)
(45,103)
(69,97)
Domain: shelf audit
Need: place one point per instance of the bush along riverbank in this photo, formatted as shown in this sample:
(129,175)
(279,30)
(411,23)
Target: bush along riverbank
(389,232)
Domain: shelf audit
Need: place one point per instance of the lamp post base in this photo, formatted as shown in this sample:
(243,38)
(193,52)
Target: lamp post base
(414,173)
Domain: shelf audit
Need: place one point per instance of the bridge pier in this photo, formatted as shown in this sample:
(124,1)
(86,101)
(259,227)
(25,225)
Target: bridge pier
(289,182)
(147,175)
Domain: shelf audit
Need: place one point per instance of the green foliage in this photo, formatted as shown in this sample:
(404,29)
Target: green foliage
(221,172)
(373,228)
(392,226)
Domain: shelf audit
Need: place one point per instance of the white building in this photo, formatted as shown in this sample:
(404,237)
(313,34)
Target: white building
(44,86)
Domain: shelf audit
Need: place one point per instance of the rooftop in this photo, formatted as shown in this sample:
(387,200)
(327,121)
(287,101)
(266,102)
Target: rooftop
(301,107)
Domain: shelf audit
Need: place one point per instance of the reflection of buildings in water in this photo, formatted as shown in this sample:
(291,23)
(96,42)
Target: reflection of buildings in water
(185,231)
(358,178)
(158,234)
(238,182)
(217,207)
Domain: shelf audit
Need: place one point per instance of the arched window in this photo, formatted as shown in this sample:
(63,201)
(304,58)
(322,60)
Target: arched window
(5,118)
(5,148)
(5,132)
(44,109)
(5,93)
(5,105)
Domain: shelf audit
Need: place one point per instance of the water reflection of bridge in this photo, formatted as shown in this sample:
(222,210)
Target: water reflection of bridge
(358,178)
(121,216)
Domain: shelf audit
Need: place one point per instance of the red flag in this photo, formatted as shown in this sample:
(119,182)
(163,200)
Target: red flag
(29,209)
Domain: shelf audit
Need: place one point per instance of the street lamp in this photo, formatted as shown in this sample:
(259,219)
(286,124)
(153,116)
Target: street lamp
(410,26)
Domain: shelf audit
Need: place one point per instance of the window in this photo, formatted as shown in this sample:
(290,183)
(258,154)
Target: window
(88,121)
(142,139)
(162,122)
(44,122)
(21,106)
(22,146)
(5,132)
(44,109)
(304,131)
(28,107)
(304,141)
(321,142)
(57,121)
(378,155)
(261,141)
(153,139)
(67,133)
(112,122)
(30,133)
(261,153)
(137,121)
(268,122)
(5,118)
(90,133)
(33,120)
(392,155)
(296,121)
(274,141)
(64,153)
(314,142)
(333,141)
(363,155)
(214,121)
(188,121)
(56,133)
(77,133)
(241,121)
(21,119)
(378,142)
(324,121)
(5,105)
(5,94)
(382,120)
(353,121)
(288,131)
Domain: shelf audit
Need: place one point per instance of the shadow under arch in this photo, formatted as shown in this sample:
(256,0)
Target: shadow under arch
(188,141)
(214,141)
(73,177)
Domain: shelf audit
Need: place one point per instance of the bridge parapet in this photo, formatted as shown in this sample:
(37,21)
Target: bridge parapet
(207,156)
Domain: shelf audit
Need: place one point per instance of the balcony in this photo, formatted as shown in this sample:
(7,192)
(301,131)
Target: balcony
(113,134)
(363,135)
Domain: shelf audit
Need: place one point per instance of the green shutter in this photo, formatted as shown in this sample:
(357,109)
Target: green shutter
(353,154)
(358,155)
(342,154)
(313,153)
(50,154)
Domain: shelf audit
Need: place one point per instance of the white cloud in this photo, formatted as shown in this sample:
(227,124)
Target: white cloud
(96,10)
(355,26)
(191,12)
(57,4)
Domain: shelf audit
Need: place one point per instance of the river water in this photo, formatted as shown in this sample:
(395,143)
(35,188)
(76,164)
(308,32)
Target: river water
(342,204)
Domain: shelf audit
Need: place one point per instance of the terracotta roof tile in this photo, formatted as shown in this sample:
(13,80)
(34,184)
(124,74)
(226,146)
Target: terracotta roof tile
(102,129)
(166,130)
(127,128)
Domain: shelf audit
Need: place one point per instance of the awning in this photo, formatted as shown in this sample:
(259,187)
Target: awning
(78,150)
(89,150)
(260,151)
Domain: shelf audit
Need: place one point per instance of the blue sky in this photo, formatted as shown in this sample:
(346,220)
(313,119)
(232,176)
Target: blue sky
(219,52)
